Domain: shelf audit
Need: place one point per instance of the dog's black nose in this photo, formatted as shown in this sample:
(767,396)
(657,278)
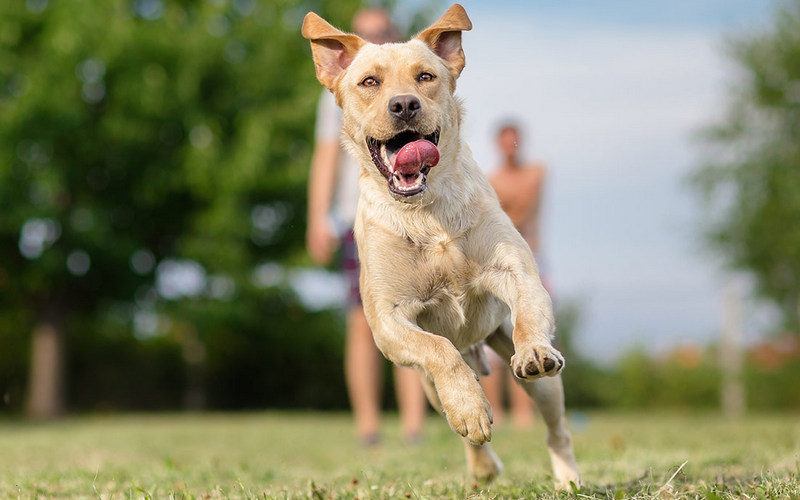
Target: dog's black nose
(404,107)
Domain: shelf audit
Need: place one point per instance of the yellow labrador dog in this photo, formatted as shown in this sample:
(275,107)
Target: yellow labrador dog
(442,267)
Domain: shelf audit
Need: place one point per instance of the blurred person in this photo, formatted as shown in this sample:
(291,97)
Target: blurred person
(519,187)
(332,200)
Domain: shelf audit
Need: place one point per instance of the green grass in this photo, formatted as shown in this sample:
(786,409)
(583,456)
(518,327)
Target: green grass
(314,456)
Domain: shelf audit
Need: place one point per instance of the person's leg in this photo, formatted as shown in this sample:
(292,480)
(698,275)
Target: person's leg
(410,401)
(493,385)
(522,406)
(364,373)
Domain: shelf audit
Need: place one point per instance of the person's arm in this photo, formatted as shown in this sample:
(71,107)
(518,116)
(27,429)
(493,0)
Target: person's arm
(530,225)
(321,239)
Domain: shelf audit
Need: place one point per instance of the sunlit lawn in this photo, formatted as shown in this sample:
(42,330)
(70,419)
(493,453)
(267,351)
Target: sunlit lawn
(313,455)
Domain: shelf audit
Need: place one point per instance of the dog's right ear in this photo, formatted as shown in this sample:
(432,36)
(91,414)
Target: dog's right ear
(333,50)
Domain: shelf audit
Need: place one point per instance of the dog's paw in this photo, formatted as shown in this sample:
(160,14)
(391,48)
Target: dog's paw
(567,475)
(468,411)
(483,464)
(562,456)
(536,360)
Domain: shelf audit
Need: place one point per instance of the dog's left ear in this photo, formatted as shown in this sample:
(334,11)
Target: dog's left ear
(444,37)
(333,50)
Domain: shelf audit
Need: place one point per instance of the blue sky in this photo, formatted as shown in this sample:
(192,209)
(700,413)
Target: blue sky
(612,96)
(672,15)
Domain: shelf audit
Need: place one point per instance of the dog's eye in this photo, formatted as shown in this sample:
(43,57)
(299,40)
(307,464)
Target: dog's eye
(426,77)
(369,82)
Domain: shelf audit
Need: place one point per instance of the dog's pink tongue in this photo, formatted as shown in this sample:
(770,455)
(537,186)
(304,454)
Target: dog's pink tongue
(415,155)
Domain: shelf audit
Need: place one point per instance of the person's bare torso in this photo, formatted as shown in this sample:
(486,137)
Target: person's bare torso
(518,189)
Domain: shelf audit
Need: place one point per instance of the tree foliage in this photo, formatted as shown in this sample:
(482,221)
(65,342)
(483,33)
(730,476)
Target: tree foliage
(139,137)
(751,177)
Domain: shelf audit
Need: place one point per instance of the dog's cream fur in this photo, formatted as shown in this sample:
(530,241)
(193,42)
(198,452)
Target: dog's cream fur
(444,270)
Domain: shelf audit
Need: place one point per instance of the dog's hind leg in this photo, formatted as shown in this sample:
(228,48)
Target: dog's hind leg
(548,393)
(482,461)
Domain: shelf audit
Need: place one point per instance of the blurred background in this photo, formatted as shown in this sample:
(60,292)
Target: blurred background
(154,157)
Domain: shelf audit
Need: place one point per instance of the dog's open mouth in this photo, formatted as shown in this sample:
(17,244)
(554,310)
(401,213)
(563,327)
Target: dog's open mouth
(405,160)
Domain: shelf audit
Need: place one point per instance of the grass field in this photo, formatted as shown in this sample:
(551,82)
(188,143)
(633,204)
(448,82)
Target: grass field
(314,456)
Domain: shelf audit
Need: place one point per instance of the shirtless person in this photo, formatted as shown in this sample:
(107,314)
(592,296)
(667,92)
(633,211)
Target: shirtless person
(519,186)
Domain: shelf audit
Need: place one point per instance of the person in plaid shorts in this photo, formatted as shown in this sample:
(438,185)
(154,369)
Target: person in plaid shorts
(332,200)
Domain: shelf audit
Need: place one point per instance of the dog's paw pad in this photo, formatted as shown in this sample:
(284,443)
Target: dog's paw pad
(538,360)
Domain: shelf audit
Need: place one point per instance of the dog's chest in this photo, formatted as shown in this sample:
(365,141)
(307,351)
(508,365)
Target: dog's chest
(452,305)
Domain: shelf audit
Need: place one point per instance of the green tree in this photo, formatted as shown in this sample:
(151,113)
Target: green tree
(751,176)
(141,134)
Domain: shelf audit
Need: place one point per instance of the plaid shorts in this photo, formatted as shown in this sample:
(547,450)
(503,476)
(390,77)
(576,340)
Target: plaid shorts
(351,268)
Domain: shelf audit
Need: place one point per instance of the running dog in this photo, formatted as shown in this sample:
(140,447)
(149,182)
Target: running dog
(443,269)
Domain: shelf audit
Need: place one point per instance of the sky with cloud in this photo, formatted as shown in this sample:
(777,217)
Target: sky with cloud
(612,96)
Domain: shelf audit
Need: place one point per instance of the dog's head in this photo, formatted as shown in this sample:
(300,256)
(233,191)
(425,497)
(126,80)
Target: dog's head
(400,113)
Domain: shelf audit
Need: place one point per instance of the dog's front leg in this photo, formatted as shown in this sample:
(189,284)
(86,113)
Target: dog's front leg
(514,278)
(482,462)
(525,341)
(462,400)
